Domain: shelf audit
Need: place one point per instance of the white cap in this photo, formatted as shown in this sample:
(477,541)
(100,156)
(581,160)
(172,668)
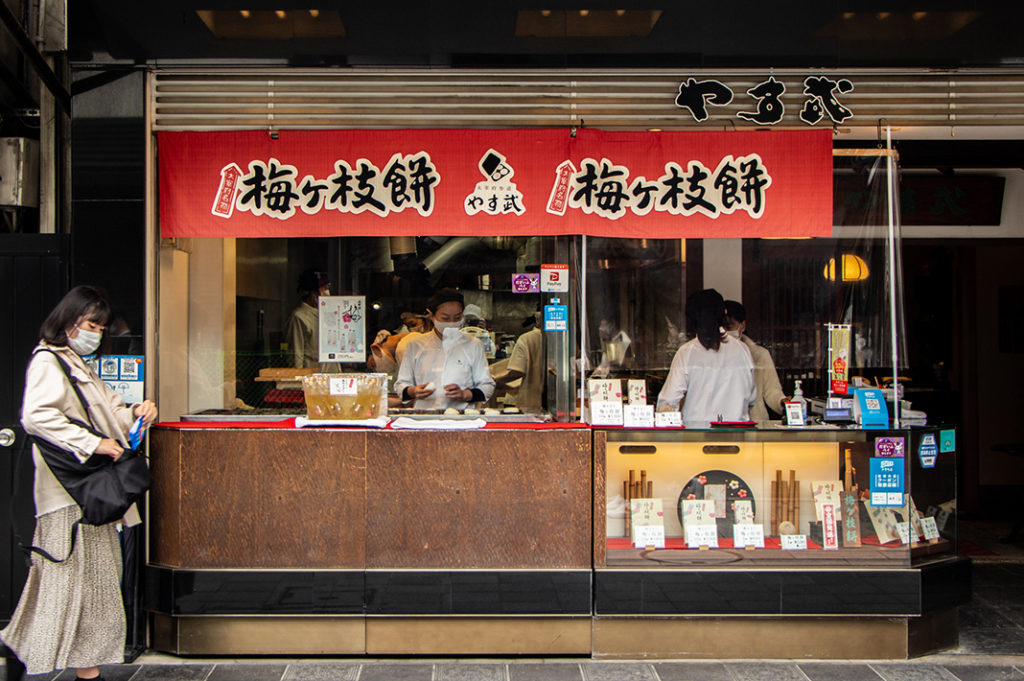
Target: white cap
(473,310)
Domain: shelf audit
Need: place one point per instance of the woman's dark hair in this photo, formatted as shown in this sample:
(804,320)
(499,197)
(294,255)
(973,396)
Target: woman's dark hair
(445,295)
(82,301)
(705,316)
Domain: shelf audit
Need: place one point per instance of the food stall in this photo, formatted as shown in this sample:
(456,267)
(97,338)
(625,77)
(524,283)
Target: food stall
(594,525)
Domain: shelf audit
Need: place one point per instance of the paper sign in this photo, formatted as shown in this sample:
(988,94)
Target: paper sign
(886,481)
(342,385)
(839,357)
(556,317)
(649,535)
(554,278)
(342,328)
(702,535)
(903,531)
(891,447)
(928,451)
(606,413)
(604,390)
(748,535)
(638,415)
(826,492)
(883,520)
(828,527)
(525,282)
(794,414)
(931,530)
(636,391)
(668,419)
(947,441)
(647,521)
(794,542)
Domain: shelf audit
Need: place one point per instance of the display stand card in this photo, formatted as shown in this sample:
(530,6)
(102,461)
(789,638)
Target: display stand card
(638,416)
(647,521)
(748,535)
(826,492)
(794,414)
(636,391)
(903,531)
(743,511)
(944,513)
(828,527)
(668,419)
(716,493)
(794,542)
(930,529)
(915,517)
(883,520)
(605,401)
(698,536)
(851,518)
(698,512)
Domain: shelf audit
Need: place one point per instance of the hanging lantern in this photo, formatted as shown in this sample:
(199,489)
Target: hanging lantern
(853,268)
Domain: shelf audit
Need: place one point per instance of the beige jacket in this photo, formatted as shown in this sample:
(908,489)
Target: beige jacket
(769,389)
(48,403)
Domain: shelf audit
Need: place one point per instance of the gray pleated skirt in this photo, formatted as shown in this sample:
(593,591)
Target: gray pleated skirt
(70,614)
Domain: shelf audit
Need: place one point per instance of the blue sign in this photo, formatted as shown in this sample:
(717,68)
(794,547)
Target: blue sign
(869,408)
(556,317)
(886,481)
(928,451)
(948,440)
(125,374)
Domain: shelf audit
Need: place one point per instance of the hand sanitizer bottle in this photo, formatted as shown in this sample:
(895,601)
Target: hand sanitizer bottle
(798,396)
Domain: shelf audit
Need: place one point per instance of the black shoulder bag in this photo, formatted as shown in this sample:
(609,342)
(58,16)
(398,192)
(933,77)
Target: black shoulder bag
(104,489)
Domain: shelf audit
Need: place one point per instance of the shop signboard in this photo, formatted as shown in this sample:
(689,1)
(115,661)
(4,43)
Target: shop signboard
(468,182)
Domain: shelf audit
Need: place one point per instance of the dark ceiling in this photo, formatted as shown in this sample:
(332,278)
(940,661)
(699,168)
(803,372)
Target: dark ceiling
(686,34)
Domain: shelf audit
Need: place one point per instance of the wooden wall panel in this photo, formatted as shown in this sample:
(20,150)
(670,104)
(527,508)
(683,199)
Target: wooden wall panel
(260,499)
(164,497)
(600,497)
(479,499)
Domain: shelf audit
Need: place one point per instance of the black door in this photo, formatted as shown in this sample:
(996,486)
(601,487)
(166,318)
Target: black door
(33,278)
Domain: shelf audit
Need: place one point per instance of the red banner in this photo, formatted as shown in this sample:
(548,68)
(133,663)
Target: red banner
(473,182)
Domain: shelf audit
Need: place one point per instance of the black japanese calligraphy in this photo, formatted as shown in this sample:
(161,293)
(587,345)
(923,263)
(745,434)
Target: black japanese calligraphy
(770,108)
(269,189)
(822,101)
(696,95)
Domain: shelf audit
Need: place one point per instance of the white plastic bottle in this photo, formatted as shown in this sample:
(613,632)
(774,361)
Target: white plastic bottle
(798,396)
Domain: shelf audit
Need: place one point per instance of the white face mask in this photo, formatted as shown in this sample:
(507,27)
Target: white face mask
(384,364)
(86,342)
(447,325)
(735,333)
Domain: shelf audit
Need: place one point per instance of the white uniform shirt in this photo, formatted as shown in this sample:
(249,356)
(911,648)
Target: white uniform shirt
(457,359)
(716,383)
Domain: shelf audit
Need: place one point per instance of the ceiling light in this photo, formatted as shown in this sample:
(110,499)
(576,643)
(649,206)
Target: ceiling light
(919,15)
(882,16)
(281,14)
(245,13)
(545,12)
(620,12)
(584,12)
(314,13)
(848,15)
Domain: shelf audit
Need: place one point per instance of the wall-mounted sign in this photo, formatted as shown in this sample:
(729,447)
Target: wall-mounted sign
(821,100)
(525,282)
(342,328)
(554,278)
(306,183)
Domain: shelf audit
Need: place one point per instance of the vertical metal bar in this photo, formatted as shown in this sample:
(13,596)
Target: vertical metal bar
(583,325)
(890,168)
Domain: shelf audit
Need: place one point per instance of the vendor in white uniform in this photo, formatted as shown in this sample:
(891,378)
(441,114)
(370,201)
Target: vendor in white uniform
(444,368)
(714,372)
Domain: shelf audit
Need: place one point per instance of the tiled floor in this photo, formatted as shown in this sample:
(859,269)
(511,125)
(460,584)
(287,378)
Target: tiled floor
(991,649)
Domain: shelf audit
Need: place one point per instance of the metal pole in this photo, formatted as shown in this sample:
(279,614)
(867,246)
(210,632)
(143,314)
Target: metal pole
(890,179)
(583,325)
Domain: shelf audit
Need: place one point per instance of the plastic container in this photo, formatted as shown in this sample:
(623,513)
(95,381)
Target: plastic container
(345,397)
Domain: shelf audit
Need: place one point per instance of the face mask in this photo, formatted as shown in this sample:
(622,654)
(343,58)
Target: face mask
(735,333)
(385,364)
(86,342)
(444,326)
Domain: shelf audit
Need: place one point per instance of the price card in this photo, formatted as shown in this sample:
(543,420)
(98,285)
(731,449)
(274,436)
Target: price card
(903,530)
(638,416)
(668,419)
(649,535)
(342,385)
(606,413)
(745,534)
(931,530)
(794,542)
(828,527)
(701,535)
